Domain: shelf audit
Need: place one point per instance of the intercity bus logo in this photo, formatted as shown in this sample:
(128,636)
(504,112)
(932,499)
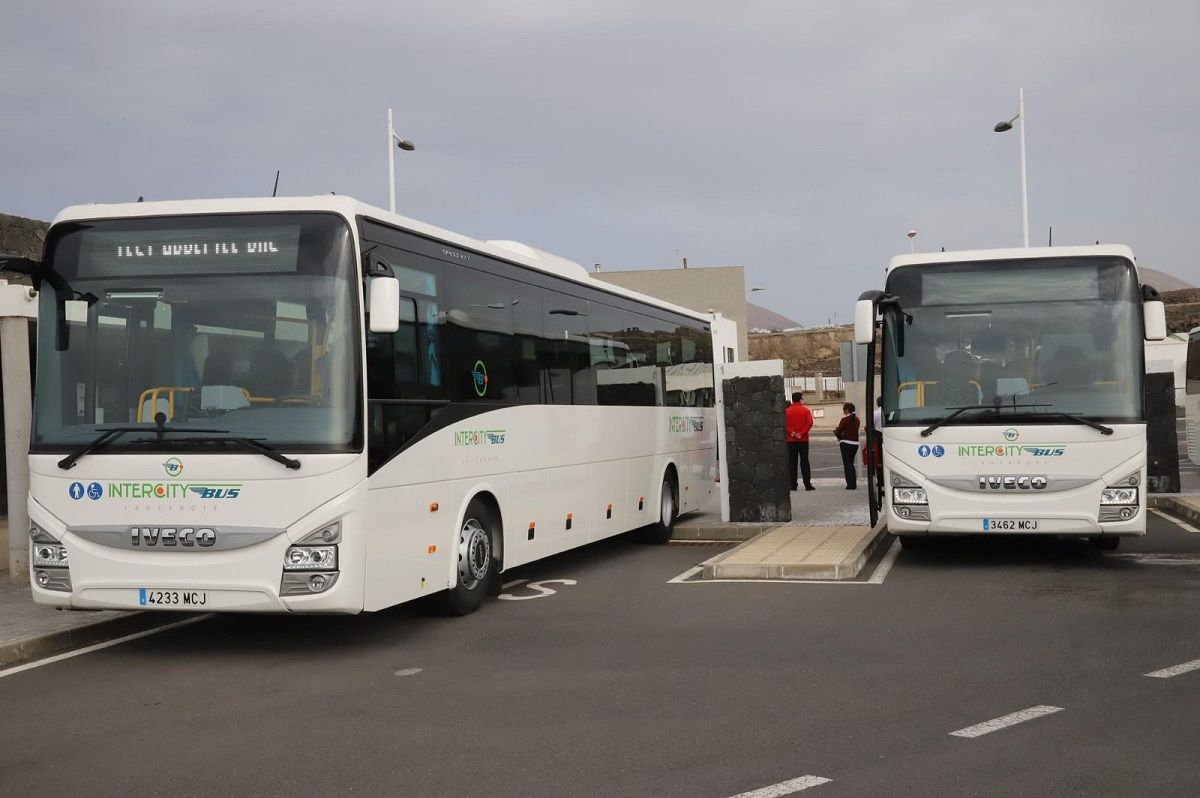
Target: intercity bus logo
(480,376)
(1047,450)
(1011,434)
(479,437)
(173,490)
(173,466)
(685,424)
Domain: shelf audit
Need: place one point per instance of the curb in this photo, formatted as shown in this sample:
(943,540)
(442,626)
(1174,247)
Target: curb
(30,649)
(732,532)
(1173,505)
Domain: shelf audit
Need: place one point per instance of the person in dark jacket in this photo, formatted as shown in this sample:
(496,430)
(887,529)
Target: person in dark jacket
(847,435)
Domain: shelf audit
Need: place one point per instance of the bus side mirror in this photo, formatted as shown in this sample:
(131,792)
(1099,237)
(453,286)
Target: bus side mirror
(384,304)
(864,322)
(1154,316)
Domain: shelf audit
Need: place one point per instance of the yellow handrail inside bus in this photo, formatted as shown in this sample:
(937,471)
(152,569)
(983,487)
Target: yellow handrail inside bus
(152,395)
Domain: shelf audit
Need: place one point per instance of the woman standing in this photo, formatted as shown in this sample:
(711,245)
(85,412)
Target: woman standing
(847,435)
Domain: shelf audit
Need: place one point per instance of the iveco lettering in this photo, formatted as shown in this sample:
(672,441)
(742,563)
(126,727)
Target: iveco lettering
(314,405)
(1026,367)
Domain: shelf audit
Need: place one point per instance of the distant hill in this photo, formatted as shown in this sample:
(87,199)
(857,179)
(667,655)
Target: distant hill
(1161,280)
(759,318)
(21,236)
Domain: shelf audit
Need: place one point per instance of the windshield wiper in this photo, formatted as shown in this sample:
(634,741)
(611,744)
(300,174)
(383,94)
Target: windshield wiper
(252,444)
(106,435)
(958,411)
(1081,420)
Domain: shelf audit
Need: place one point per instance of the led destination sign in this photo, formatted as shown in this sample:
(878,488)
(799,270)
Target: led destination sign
(197,251)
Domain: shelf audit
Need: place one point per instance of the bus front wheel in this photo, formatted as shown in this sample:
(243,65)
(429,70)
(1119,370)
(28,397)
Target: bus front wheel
(476,561)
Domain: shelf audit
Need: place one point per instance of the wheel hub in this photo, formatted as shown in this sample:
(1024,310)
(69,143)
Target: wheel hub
(474,554)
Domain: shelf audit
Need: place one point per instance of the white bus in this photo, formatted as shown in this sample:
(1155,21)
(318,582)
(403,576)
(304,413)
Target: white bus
(313,405)
(1012,392)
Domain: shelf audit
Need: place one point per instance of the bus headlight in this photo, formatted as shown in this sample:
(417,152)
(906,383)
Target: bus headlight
(1119,496)
(310,558)
(909,495)
(49,555)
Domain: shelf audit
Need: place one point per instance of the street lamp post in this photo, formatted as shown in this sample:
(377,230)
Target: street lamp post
(403,144)
(911,235)
(1005,126)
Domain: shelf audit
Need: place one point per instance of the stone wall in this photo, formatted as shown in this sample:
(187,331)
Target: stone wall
(756,445)
(20,236)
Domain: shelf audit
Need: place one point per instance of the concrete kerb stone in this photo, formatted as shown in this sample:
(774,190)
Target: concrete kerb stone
(41,646)
(1184,507)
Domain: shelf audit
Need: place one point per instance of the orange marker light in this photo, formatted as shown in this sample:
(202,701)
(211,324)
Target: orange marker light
(432,549)
(433,507)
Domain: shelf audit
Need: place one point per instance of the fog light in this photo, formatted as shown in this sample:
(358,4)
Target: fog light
(316,582)
(43,578)
(1126,513)
(903,512)
(307,584)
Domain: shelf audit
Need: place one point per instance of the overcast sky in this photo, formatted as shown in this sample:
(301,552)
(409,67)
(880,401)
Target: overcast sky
(799,139)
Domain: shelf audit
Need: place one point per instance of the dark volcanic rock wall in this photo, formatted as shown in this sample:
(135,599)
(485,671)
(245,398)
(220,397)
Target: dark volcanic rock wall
(19,236)
(756,445)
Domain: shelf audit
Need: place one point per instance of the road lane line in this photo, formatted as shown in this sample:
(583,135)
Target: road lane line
(512,584)
(885,566)
(987,727)
(686,575)
(1174,670)
(98,646)
(1185,526)
(785,787)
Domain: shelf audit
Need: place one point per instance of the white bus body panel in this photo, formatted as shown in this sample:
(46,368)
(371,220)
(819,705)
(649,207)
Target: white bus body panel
(527,458)
(289,504)
(949,462)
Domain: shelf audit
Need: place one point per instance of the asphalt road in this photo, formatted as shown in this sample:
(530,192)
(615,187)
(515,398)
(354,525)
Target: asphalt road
(625,684)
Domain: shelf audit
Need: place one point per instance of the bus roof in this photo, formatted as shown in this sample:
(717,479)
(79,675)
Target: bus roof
(512,251)
(1016,253)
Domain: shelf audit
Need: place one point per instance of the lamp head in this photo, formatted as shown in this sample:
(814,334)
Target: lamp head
(1002,127)
(912,233)
(405,145)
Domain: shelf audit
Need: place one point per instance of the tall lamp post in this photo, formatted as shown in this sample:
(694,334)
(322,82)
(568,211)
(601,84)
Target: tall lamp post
(1002,127)
(403,144)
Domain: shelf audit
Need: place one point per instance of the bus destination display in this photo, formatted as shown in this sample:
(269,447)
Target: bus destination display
(196,251)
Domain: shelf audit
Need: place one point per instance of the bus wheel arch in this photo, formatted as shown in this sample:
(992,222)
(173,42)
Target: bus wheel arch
(667,497)
(478,554)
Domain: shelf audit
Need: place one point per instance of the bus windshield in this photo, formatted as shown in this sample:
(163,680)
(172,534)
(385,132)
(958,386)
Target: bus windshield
(1035,336)
(243,324)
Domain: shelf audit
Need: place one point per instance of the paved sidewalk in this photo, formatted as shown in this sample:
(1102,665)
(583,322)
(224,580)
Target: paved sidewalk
(798,552)
(30,631)
(829,505)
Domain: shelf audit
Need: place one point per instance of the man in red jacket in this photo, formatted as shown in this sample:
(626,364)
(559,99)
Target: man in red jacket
(799,422)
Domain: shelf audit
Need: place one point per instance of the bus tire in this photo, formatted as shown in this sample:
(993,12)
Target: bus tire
(475,552)
(1105,543)
(668,510)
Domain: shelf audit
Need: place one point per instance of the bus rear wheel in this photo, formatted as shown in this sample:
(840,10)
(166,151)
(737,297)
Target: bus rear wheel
(475,551)
(661,530)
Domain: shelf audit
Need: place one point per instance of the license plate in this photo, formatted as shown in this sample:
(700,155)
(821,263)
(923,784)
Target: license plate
(172,598)
(1009,525)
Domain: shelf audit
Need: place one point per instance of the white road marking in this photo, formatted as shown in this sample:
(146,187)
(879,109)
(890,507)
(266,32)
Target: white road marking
(987,727)
(885,565)
(408,671)
(98,646)
(512,584)
(1186,527)
(1157,559)
(1175,670)
(785,787)
(541,591)
(686,575)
